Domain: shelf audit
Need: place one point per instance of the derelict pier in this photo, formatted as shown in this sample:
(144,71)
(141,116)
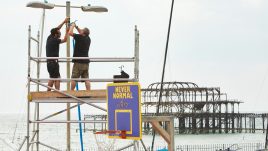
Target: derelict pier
(197,110)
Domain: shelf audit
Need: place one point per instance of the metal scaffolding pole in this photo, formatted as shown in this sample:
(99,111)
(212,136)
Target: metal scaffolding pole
(72,121)
(50,147)
(21,145)
(37,127)
(29,89)
(37,104)
(59,112)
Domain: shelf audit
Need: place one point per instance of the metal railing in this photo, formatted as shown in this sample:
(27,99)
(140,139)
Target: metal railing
(69,59)
(205,147)
(222,147)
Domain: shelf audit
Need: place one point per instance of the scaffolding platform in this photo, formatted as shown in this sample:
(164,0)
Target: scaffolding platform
(91,96)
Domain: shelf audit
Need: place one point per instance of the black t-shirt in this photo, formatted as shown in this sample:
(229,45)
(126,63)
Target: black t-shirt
(52,46)
(81,47)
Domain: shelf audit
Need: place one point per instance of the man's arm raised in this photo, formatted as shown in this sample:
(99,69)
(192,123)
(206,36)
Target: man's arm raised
(65,21)
(65,36)
(78,29)
(71,30)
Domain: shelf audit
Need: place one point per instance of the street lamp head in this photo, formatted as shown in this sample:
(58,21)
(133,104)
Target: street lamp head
(98,9)
(37,4)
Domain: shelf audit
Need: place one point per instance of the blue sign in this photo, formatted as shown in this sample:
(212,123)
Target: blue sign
(124,109)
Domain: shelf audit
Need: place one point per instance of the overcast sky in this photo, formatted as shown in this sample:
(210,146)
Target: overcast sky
(219,43)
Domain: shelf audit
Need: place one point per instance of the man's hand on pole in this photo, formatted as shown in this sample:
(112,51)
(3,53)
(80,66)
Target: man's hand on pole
(71,29)
(67,20)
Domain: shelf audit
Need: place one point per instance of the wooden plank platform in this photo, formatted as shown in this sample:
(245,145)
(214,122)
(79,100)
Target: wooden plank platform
(70,100)
(93,94)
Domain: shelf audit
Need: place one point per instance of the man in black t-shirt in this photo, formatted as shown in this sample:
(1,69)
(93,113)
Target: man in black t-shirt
(52,50)
(81,48)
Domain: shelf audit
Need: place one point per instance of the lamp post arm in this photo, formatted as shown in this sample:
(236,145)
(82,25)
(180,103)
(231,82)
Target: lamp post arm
(65,6)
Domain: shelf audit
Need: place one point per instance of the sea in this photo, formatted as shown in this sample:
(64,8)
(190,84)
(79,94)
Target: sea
(13,131)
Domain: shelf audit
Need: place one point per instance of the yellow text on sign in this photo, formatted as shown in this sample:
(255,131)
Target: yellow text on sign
(122,92)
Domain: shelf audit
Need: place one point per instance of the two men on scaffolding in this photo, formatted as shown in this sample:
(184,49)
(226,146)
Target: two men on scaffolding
(81,48)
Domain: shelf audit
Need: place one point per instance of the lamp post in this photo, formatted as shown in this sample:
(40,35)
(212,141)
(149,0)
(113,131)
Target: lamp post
(68,125)
(45,5)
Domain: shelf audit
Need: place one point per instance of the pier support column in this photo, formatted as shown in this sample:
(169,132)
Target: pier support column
(233,118)
(245,118)
(201,129)
(214,119)
(241,124)
(181,125)
(263,125)
(226,122)
(254,124)
(250,124)
(207,115)
(193,125)
(220,128)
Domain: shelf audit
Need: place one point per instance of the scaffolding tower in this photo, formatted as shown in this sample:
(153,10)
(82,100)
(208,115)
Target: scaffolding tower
(92,98)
